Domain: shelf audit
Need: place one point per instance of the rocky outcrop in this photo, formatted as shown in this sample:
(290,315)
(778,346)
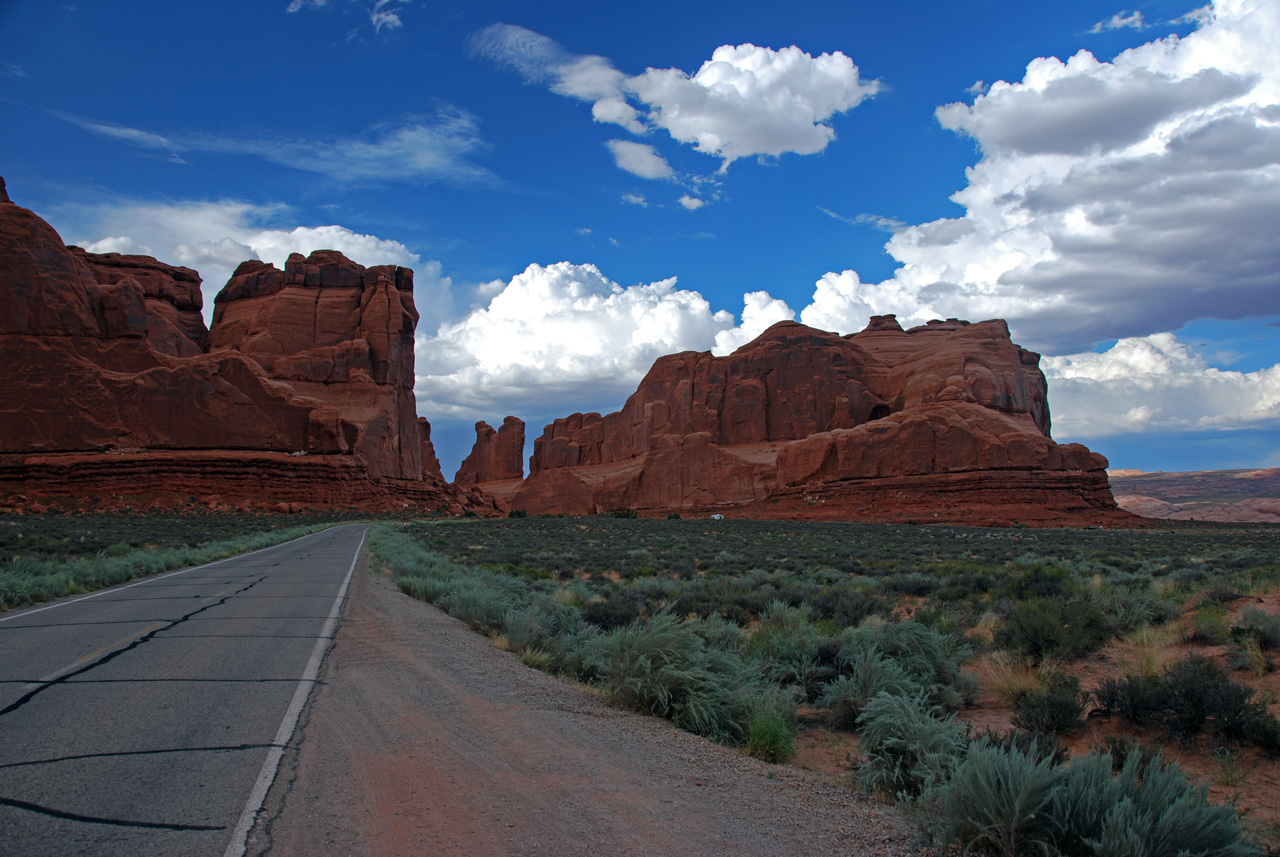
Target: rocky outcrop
(801,413)
(339,333)
(497,456)
(105,358)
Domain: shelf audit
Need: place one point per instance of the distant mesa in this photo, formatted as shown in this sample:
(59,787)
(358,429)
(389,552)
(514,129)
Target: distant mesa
(1244,496)
(301,394)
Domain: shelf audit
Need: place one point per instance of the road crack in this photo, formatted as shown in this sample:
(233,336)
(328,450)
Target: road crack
(93,819)
(112,655)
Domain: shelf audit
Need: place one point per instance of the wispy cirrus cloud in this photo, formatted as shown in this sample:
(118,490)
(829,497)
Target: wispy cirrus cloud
(1119,21)
(383,14)
(875,221)
(431,149)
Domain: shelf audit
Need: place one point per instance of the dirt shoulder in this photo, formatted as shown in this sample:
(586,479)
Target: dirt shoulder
(425,739)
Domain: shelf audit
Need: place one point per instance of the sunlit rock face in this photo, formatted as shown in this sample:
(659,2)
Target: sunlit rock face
(301,393)
(948,420)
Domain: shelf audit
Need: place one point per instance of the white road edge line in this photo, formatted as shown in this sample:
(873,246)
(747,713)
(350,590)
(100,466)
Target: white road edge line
(112,589)
(240,837)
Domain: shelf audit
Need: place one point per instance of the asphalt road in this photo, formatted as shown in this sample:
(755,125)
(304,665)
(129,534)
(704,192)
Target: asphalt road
(149,718)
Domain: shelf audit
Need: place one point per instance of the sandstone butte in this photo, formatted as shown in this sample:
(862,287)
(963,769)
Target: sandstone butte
(946,422)
(116,395)
(496,462)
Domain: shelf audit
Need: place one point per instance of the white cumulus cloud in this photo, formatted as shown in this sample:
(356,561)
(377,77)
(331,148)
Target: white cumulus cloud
(745,101)
(691,203)
(1155,382)
(748,100)
(1112,199)
(564,337)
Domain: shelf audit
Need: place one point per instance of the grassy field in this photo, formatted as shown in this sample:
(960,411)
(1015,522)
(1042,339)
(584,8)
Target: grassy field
(1159,643)
(49,556)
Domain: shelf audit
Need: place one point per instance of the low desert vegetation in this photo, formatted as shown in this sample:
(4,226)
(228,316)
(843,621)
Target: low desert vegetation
(49,556)
(746,632)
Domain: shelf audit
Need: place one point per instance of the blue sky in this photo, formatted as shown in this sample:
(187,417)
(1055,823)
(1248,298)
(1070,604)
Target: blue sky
(582,188)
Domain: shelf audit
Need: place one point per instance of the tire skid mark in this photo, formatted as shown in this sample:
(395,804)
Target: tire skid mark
(112,655)
(93,819)
(226,748)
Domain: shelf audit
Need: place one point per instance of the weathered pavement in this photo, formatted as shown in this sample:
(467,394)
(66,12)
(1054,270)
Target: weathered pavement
(136,721)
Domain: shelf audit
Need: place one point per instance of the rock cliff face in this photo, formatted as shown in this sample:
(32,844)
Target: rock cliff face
(106,358)
(497,456)
(949,419)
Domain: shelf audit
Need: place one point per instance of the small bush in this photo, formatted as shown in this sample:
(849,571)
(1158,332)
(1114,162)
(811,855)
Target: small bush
(996,801)
(867,673)
(1043,628)
(1054,710)
(1210,625)
(1010,677)
(769,737)
(930,659)
(1189,696)
(1148,808)
(794,655)
(664,667)
(1260,626)
(910,745)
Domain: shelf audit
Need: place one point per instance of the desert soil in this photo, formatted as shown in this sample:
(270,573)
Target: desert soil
(424,739)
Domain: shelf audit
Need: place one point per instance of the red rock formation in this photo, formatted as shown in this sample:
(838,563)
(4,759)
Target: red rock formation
(497,456)
(340,333)
(103,357)
(807,413)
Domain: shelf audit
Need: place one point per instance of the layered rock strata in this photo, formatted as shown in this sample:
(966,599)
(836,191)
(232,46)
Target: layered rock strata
(105,358)
(946,421)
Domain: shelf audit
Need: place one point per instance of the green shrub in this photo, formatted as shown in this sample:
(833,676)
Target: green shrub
(910,745)
(475,602)
(996,802)
(867,673)
(929,658)
(1210,625)
(1043,628)
(663,667)
(1053,710)
(1006,801)
(1195,689)
(796,656)
(1147,809)
(1192,694)
(1260,626)
(769,737)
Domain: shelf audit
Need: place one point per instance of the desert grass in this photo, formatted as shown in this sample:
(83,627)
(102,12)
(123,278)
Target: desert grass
(1149,648)
(1010,676)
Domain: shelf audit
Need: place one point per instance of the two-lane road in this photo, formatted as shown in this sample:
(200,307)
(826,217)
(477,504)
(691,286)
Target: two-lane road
(149,718)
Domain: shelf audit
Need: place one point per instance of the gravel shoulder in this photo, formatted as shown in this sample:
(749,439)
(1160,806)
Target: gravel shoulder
(424,738)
